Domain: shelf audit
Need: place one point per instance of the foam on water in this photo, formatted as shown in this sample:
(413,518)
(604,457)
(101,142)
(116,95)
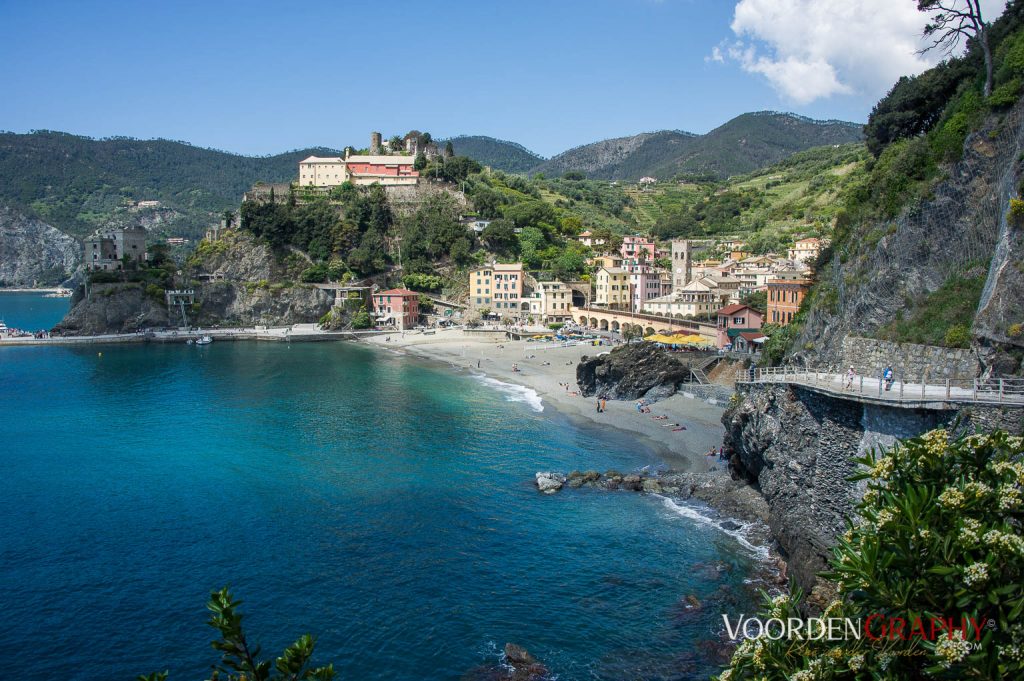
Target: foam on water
(512,392)
(761,552)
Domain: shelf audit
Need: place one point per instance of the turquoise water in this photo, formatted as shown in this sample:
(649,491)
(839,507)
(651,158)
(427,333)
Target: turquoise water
(384,505)
(31,311)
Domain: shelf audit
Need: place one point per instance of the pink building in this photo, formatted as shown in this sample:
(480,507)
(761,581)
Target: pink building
(646,283)
(632,246)
(399,306)
(734,320)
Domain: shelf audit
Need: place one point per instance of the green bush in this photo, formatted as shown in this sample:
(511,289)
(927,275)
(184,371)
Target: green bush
(938,534)
(958,336)
(362,320)
(947,140)
(314,274)
(1005,95)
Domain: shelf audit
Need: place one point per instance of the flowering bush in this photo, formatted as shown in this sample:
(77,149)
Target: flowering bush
(937,538)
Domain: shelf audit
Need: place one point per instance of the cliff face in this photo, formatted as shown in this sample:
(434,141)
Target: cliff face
(33,252)
(237,281)
(962,230)
(797,447)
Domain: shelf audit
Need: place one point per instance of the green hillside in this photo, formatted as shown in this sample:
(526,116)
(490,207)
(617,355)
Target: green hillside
(79,183)
(498,154)
(742,145)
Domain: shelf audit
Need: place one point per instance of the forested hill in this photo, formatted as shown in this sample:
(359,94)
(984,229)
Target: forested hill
(77,183)
(744,144)
(498,154)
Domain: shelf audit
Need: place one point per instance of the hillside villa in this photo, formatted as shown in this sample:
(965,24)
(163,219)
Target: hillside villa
(805,250)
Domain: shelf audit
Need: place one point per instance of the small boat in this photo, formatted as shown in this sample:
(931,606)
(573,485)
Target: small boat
(205,340)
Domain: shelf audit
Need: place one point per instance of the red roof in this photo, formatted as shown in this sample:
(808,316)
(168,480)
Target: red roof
(752,336)
(733,309)
(397,292)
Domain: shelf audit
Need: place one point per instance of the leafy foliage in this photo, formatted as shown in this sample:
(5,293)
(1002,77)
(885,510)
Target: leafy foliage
(240,660)
(938,534)
(497,154)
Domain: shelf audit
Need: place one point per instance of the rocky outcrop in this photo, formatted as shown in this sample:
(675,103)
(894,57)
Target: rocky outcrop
(797,447)
(633,371)
(33,252)
(237,282)
(112,308)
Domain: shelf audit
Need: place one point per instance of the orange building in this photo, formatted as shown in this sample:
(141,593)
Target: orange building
(785,293)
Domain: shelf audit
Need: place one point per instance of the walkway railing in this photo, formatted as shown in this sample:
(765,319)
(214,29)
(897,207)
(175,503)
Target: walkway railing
(995,390)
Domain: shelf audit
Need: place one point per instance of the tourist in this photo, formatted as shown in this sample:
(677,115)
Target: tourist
(598,405)
(604,404)
(887,376)
(850,374)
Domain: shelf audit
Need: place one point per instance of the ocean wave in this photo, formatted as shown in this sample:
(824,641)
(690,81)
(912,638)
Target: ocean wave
(740,535)
(513,392)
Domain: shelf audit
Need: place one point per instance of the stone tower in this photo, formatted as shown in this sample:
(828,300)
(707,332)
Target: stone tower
(375,144)
(682,264)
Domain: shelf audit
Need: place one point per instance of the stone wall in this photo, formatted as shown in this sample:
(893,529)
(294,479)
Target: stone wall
(869,357)
(797,447)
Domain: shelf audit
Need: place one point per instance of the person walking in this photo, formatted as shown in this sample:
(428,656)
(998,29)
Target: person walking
(887,376)
(850,374)
(604,404)
(598,405)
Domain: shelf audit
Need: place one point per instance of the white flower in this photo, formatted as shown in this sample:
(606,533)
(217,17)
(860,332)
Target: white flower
(975,574)
(951,498)
(953,649)
(1009,498)
(882,468)
(978,489)
(856,662)
(885,517)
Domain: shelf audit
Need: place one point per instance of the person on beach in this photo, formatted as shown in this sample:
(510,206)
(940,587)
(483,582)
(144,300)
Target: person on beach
(850,374)
(604,404)
(598,405)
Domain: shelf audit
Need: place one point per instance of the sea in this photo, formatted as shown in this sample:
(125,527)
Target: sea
(381,503)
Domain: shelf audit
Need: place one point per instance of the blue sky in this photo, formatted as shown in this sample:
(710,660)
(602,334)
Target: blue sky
(256,78)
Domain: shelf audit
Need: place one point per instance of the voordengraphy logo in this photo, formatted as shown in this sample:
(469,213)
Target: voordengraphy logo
(876,627)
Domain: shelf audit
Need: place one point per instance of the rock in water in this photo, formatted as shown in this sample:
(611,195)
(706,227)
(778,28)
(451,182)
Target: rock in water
(518,655)
(549,483)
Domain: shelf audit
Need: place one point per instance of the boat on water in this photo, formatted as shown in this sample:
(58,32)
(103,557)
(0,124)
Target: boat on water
(205,340)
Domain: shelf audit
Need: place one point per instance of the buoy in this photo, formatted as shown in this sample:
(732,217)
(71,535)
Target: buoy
(99,354)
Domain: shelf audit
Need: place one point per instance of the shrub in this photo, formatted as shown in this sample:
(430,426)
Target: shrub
(958,336)
(555,326)
(1015,330)
(314,274)
(1016,214)
(1005,95)
(362,320)
(936,535)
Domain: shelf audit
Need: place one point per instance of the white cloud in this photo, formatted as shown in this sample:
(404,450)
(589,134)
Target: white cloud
(810,49)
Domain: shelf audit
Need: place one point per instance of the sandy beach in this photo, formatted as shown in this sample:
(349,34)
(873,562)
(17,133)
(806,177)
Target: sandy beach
(546,369)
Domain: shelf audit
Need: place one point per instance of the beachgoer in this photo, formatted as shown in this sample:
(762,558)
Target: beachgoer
(850,374)
(604,404)
(598,405)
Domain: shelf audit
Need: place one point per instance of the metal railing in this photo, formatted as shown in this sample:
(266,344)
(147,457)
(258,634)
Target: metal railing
(900,389)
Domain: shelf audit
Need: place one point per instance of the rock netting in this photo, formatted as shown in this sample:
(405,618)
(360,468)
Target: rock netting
(33,252)
(908,360)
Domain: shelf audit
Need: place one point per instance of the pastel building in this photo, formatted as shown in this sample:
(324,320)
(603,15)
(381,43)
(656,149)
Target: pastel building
(612,288)
(633,245)
(497,287)
(736,319)
(587,238)
(805,250)
(317,171)
(398,307)
(551,301)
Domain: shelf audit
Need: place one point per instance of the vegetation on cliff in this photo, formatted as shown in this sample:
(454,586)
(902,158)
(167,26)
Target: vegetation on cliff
(937,539)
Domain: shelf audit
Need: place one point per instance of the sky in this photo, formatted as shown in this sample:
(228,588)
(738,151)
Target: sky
(261,78)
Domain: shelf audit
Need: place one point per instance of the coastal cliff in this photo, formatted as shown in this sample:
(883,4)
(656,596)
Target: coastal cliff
(33,252)
(236,280)
(797,447)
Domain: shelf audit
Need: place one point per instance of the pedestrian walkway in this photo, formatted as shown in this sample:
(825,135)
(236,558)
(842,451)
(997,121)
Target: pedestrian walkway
(872,388)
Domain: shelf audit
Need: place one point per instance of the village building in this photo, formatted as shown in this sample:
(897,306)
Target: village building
(734,320)
(785,293)
(682,263)
(587,238)
(605,261)
(110,248)
(749,341)
(551,301)
(647,283)
(317,171)
(633,245)
(805,250)
(612,288)
(397,307)
(498,288)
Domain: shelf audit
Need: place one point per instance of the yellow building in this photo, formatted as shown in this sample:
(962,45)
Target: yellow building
(498,288)
(317,171)
(611,288)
